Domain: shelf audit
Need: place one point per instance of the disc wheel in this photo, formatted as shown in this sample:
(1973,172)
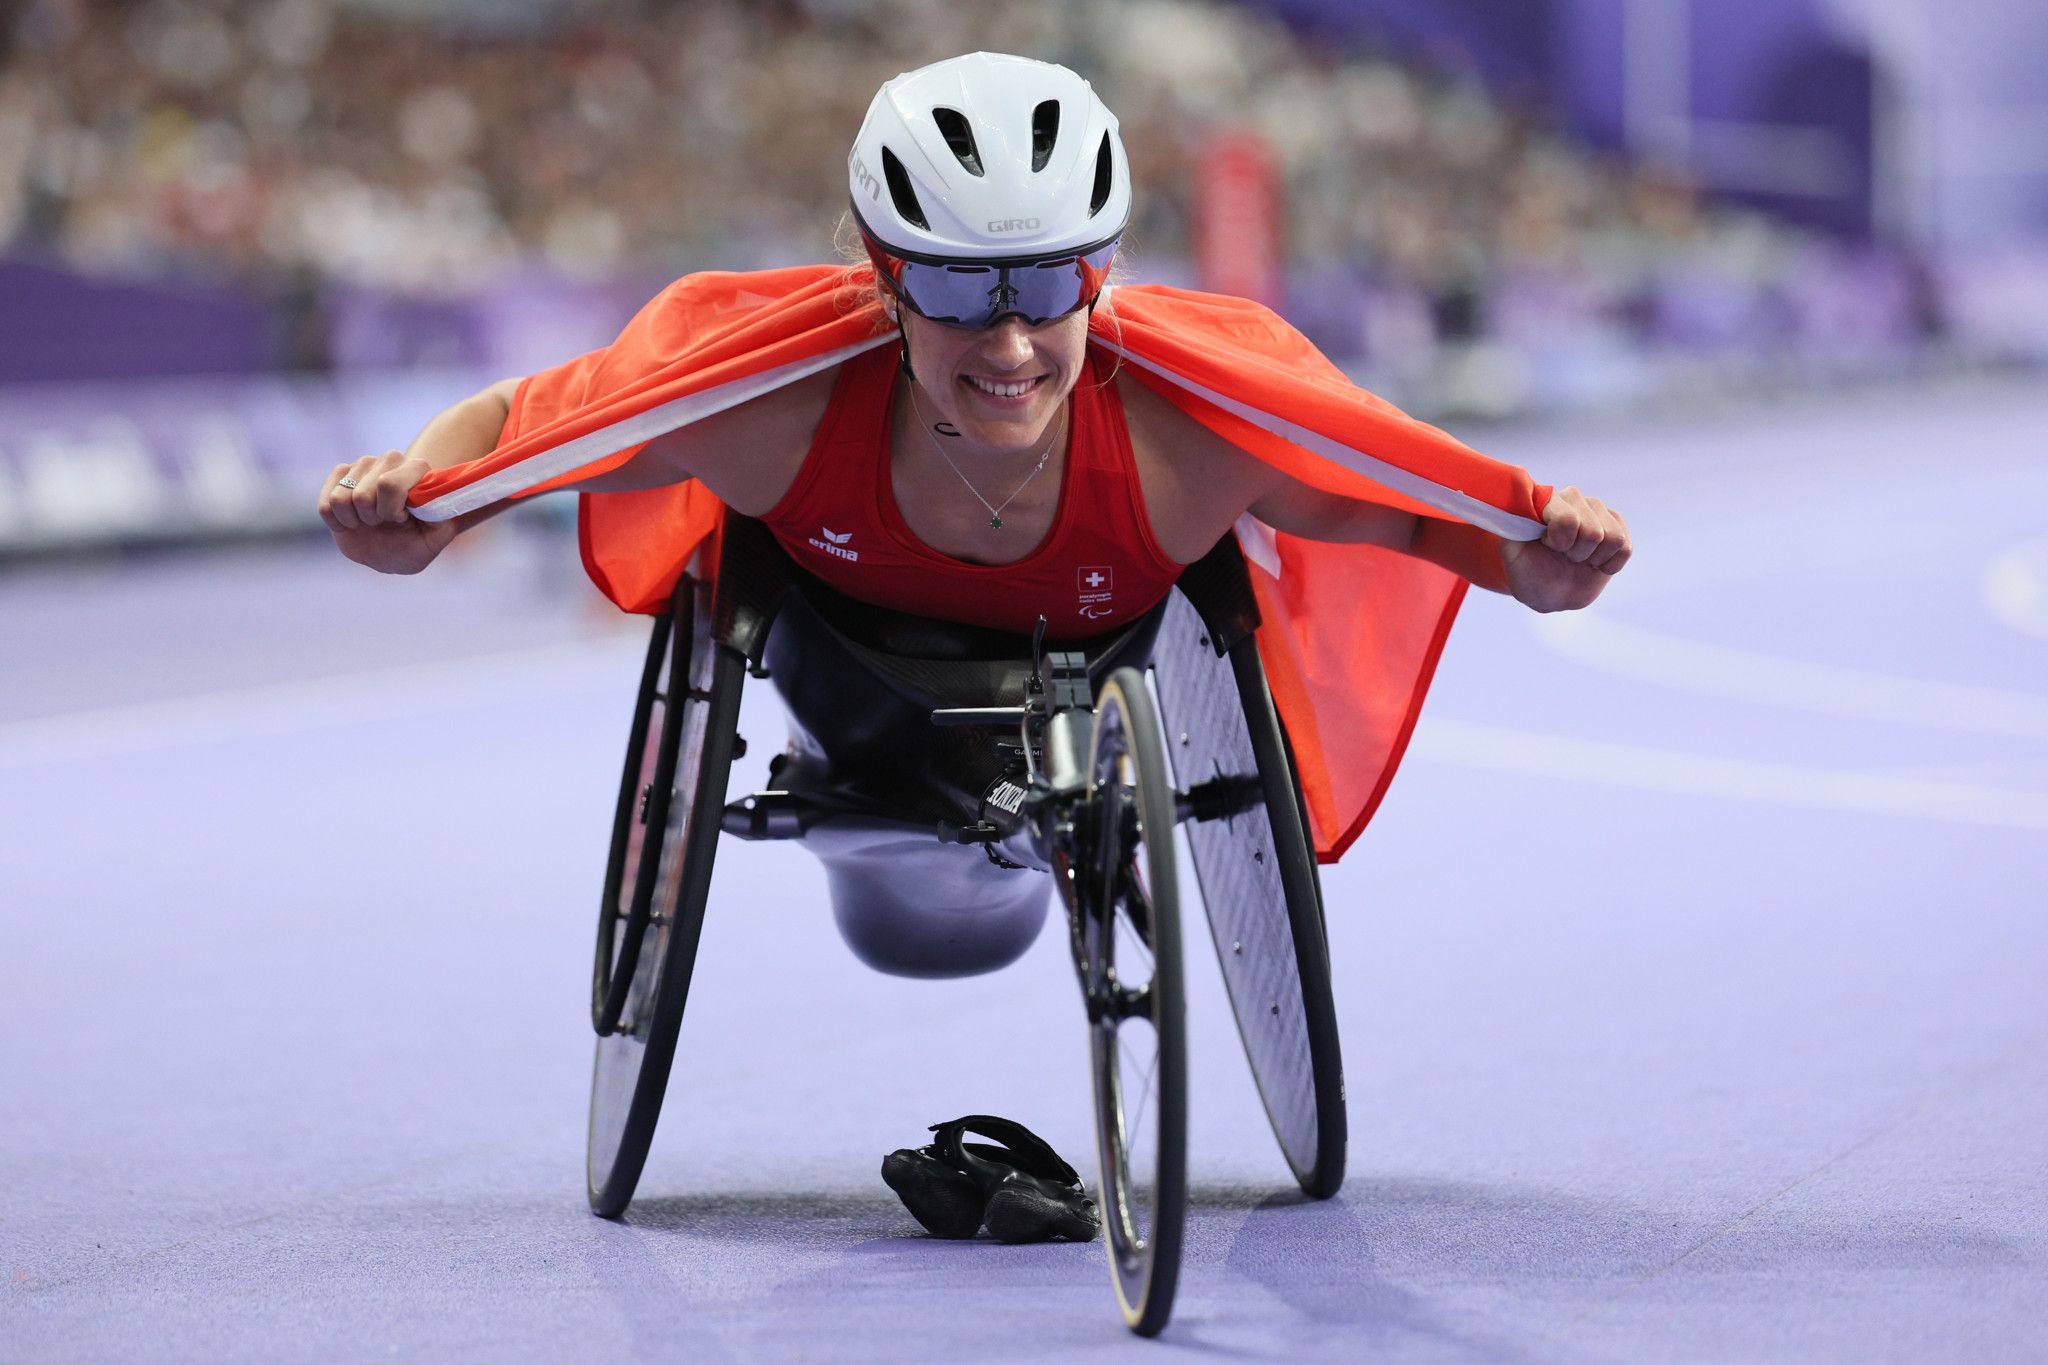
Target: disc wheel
(1263,899)
(664,837)
(1131,976)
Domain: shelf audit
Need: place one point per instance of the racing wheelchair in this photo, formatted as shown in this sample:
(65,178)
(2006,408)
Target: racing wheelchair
(1057,759)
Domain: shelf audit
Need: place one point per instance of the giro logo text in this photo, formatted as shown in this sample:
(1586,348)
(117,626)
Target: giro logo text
(866,178)
(834,543)
(1012,224)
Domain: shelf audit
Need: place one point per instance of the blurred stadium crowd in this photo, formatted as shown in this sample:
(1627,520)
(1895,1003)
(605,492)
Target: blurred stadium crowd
(318,147)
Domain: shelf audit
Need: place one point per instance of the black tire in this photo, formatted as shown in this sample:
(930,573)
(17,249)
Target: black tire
(1130,916)
(680,757)
(1260,889)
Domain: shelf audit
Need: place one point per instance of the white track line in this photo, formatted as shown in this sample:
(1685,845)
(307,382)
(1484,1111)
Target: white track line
(1743,675)
(350,699)
(2016,587)
(1562,759)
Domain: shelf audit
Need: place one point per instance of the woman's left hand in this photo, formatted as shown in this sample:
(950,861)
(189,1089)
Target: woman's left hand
(1585,542)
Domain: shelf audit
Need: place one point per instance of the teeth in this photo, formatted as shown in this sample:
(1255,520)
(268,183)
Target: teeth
(1002,390)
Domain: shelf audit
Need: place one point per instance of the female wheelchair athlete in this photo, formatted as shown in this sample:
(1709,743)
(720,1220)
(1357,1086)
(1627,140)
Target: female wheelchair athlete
(911,737)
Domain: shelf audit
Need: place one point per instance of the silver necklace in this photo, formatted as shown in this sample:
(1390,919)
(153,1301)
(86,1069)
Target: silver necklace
(995,512)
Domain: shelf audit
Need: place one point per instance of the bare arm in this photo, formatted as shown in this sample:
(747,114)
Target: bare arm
(363,504)
(1584,542)
(746,455)
(1196,484)
(1313,514)
(1467,551)
(467,431)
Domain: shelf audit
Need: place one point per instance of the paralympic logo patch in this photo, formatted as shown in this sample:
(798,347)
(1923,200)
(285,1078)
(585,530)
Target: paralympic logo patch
(1096,584)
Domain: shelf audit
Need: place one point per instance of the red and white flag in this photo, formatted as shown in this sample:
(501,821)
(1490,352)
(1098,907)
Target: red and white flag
(1351,632)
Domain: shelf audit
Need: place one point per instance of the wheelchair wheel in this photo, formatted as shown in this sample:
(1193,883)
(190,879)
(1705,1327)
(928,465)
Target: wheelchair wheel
(664,836)
(1130,950)
(1257,874)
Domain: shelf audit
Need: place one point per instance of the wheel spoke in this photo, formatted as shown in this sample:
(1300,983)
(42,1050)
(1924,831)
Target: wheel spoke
(1144,1087)
(1135,895)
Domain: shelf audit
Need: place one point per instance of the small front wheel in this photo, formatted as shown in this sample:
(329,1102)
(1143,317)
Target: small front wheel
(1128,917)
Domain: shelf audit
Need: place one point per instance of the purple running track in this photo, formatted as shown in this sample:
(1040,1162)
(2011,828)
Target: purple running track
(1690,978)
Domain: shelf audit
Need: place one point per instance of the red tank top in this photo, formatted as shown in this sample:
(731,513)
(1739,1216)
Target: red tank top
(1097,568)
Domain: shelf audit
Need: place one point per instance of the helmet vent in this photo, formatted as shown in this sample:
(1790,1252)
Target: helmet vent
(953,126)
(1045,130)
(1102,179)
(900,192)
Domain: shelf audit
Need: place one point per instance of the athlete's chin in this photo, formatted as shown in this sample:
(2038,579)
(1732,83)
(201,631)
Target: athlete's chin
(1010,437)
(1008,428)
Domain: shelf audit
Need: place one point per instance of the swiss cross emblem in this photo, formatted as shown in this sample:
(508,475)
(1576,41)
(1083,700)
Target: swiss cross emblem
(1097,587)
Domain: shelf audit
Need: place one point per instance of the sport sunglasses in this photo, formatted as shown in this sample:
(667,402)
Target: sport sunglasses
(974,294)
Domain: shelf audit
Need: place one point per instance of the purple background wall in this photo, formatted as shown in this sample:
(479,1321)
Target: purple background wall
(1944,102)
(60,325)
(1510,46)
(1748,62)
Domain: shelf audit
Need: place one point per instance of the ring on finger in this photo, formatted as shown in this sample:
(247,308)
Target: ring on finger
(346,482)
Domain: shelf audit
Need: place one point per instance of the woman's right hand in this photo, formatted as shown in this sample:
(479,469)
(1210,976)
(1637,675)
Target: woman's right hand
(370,523)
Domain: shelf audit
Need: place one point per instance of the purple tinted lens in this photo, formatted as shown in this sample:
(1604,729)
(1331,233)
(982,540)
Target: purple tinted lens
(977,295)
(961,295)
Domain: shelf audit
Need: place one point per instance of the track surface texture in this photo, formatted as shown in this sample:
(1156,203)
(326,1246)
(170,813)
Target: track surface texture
(1690,978)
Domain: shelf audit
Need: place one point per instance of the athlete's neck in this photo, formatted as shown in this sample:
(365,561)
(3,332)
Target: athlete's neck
(926,439)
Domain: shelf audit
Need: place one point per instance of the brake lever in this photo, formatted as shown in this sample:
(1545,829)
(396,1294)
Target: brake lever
(1036,687)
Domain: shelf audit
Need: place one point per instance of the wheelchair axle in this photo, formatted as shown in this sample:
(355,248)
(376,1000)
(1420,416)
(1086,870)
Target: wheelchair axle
(770,815)
(1220,798)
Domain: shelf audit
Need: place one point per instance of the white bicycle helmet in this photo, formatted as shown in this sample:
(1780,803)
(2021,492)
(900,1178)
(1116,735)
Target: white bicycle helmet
(989,157)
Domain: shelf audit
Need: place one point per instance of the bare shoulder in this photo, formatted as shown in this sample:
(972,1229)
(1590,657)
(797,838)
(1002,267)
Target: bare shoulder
(749,455)
(1196,483)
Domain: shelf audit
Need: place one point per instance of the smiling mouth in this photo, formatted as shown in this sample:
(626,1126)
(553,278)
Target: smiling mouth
(1001,389)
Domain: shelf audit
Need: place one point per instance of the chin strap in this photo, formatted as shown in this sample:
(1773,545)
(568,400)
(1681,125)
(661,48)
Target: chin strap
(903,335)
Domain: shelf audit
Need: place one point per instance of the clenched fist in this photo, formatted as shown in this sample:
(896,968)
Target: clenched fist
(363,505)
(1584,543)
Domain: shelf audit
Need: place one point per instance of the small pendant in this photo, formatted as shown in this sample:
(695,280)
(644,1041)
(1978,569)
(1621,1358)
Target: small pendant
(995,523)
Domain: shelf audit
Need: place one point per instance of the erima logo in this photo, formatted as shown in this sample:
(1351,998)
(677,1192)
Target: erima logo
(834,543)
(1012,224)
(866,178)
